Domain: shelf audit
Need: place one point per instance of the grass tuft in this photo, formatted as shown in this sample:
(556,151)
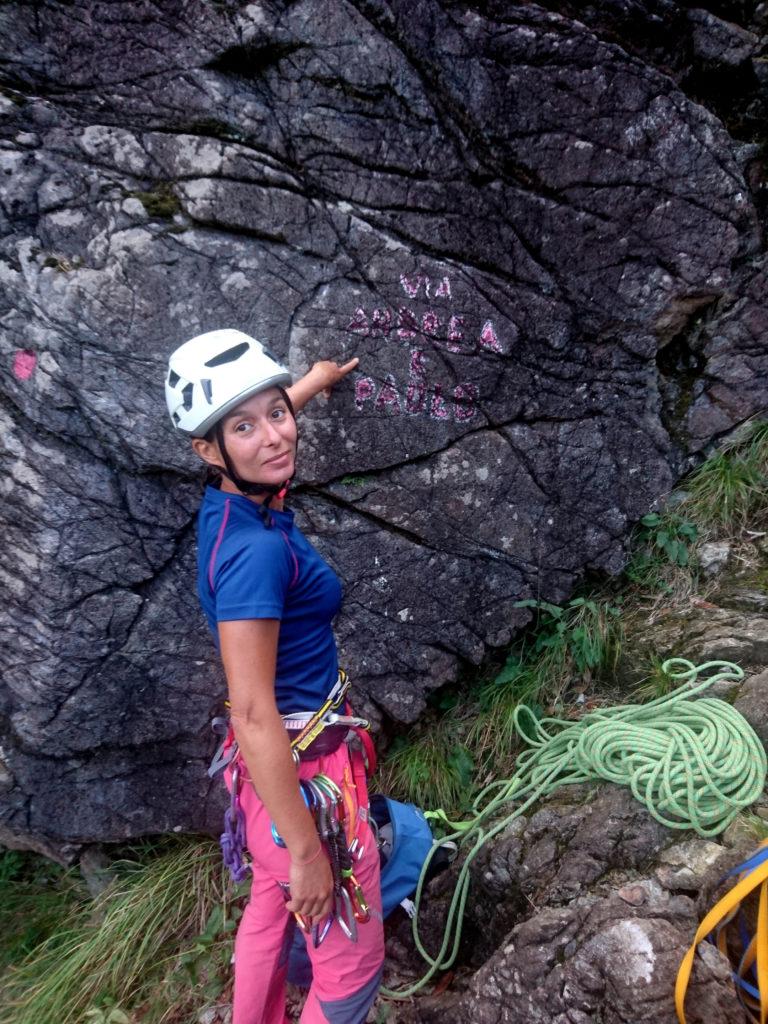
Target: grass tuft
(728,491)
(153,944)
(431,767)
(657,683)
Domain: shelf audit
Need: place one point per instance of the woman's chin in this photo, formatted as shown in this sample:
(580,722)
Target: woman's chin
(279,472)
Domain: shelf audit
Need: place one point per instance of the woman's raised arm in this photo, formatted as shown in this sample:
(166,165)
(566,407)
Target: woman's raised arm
(321,377)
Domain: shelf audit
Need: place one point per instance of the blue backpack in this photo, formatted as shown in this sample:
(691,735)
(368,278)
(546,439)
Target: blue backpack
(404,839)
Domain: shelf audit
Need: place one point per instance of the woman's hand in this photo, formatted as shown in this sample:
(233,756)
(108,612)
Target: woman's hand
(311,887)
(319,380)
(327,373)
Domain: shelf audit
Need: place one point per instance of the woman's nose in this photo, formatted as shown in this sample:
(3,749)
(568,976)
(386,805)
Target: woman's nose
(270,432)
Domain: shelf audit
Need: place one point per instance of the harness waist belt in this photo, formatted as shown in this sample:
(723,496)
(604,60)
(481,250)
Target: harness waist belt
(329,733)
(312,733)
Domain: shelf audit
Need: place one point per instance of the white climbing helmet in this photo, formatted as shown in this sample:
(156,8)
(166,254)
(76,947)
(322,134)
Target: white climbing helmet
(209,374)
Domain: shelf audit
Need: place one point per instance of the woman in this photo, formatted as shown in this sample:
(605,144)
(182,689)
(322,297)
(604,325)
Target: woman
(269,599)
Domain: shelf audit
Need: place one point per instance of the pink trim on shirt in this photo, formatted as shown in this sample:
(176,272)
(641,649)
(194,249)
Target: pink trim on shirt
(217,545)
(293,556)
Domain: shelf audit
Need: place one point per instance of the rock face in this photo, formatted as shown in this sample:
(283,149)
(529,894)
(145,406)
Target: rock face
(568,924)
(546,255)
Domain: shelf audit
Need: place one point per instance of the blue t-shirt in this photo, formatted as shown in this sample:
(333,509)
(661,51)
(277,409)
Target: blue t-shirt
(247,571)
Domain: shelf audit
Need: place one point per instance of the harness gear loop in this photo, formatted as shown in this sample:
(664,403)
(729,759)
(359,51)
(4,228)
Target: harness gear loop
(331,806)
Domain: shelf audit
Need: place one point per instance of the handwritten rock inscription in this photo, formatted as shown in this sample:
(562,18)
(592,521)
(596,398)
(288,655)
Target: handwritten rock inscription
(436,327)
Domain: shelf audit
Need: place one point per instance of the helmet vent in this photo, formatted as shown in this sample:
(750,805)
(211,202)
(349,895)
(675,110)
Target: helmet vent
(186,394)
(173,379)
(176,418)
(230,355)
(205,384)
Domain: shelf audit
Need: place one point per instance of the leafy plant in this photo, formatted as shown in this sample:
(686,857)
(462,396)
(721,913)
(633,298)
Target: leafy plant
(107,1013)
(662,547)
(205,962)
(575,640)
(669,534)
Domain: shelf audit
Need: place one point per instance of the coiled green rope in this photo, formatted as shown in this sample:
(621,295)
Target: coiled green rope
(694,764)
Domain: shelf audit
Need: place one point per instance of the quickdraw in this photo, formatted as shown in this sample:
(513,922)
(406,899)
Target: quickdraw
(326,803)
(233,845)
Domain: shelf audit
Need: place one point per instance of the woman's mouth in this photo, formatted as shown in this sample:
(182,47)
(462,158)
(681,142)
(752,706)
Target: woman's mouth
(278,460)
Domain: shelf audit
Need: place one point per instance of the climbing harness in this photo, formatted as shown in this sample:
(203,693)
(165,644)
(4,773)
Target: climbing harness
(751,975)
(312,733)
(693,763)
(334,809)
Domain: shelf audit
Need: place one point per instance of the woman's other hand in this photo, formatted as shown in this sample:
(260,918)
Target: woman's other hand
(319,380)
(311,888)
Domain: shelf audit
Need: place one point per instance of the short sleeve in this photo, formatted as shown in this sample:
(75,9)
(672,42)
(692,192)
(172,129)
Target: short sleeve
(251,580)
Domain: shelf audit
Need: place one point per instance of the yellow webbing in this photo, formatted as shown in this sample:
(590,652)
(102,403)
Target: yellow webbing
(757,951)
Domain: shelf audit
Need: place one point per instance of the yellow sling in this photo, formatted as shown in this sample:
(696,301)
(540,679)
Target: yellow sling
(753,874)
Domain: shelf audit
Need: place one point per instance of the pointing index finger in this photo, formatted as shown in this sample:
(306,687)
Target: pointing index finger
(347,367)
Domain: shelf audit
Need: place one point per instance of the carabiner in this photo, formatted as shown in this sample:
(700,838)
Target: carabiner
(234,802)
(302,921)
(345,914)
(360,907)
(318,933)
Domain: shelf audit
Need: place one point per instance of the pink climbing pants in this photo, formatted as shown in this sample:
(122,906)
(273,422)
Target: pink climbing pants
(345,975)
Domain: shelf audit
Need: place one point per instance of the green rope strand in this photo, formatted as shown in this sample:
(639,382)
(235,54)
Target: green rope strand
(693,763)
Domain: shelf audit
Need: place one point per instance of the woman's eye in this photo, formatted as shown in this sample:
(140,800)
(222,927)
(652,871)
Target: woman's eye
(242,428)
(278,413)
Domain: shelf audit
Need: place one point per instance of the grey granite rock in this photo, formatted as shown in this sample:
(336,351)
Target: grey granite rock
(595,938)
(518,223)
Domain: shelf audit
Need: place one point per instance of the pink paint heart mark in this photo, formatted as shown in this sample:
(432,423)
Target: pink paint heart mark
(24,363)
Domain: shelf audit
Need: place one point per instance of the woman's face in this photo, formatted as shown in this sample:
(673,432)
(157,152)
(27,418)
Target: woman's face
(260,437)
